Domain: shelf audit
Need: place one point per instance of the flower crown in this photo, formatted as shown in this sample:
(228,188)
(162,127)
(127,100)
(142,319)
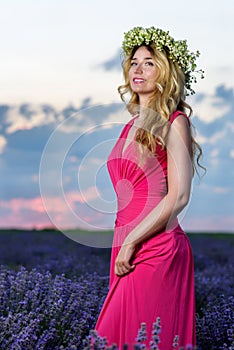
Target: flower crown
(177,51)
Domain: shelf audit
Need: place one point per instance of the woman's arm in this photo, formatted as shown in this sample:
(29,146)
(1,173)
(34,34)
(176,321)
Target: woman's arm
(180,172)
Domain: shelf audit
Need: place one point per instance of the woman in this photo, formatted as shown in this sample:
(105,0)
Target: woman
(151,167)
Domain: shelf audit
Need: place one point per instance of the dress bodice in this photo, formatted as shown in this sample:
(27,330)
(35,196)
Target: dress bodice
(139,186)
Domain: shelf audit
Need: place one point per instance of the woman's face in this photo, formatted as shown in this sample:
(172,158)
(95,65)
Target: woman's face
(142,74)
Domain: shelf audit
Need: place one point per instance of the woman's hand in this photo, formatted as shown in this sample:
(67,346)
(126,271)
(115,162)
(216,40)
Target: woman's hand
(122,262)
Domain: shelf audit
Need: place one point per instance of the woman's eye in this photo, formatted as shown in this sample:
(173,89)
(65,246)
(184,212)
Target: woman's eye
(149,63)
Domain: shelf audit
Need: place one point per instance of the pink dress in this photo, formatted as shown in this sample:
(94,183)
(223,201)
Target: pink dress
(162,283)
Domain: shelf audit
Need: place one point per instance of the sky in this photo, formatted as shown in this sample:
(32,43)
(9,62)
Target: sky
(60,111)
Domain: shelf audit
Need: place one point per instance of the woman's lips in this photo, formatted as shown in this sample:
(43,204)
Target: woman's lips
(138,80)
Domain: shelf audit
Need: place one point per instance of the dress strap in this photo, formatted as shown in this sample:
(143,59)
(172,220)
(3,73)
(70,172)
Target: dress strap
(176,114)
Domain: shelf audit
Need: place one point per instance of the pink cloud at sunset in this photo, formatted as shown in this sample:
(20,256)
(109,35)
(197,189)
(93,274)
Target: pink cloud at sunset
(32,212)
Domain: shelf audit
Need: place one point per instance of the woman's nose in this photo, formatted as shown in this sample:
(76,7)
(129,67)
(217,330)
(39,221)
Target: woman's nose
(138,68)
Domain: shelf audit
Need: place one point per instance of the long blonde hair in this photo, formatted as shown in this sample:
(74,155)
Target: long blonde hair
(169,96)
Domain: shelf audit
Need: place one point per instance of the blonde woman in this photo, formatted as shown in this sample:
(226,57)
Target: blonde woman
(151,167)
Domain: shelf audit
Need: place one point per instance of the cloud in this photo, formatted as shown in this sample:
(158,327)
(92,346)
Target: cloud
(27,117)
(70,119)
(221,190)
(211,108)
(216,137)
(23,212)
(208,108)
(232,153)
(113,63)
(3,143)
(68,212)
(211,223)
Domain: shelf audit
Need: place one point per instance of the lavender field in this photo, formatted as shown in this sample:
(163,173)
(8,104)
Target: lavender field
(52,289)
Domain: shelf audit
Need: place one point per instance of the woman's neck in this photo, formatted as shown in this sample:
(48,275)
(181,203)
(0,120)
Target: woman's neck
(143,101)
